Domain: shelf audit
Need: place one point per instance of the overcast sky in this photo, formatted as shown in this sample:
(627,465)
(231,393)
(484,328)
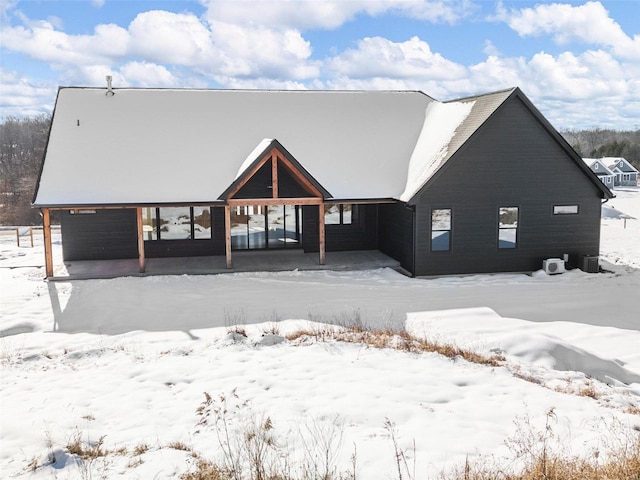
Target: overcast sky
(579,62)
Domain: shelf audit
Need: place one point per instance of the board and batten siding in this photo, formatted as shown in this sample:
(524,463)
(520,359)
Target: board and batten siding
(395,233)
(100,235)
(512,161)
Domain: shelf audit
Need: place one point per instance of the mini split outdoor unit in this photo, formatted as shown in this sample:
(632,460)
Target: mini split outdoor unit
(553,265)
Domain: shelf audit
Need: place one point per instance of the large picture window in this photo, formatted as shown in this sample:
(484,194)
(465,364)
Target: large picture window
(176,223)
(508,227)
(341,214)
(440,229)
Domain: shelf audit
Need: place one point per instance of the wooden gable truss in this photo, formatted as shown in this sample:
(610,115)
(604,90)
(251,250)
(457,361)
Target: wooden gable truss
(276,155)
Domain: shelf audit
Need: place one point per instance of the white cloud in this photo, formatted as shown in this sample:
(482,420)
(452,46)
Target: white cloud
(97,3)
(20,96)
(589,23)
(266,49)
(145,74)
(380,57)
(41,41)
(263,52)
(490,49)
(166,37)
(330,14)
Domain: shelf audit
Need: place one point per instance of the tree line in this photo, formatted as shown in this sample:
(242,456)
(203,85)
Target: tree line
(23,141)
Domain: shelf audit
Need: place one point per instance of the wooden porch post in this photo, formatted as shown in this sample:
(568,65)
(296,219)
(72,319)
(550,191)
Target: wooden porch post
(48,251)
(141,259)
(321,231)
(227,234)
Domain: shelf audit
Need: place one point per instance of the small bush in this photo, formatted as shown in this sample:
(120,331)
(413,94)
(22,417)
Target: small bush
(86,450)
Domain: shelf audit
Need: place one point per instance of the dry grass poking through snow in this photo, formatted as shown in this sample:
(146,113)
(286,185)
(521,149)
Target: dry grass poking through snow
(537,454)
(397,340)
(542,458)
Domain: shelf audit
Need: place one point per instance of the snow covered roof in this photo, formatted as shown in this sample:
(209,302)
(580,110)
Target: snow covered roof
(619,162)
(602,167)
(147,146)
(157,146)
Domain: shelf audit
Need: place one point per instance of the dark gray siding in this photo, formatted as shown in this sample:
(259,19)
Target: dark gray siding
(259,185)
(395,234)
(511,161)
(360,236)
(103,235)
(191,248)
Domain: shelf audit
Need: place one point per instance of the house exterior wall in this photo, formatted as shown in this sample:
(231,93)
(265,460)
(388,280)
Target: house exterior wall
(628,179)
(362,235)
(395,233)
(191,248)
(103,235)
(507,164)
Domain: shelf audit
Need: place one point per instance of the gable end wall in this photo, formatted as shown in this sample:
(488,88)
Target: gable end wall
(511,161)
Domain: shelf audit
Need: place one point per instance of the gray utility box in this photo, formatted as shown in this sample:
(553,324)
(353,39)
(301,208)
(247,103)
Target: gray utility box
(590,263)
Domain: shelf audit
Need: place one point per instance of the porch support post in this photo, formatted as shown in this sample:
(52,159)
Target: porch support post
(141,259)
(274,174)
(227,234)
(48,250)
(321,237)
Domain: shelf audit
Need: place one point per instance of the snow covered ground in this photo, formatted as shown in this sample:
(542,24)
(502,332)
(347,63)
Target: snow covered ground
(130,359)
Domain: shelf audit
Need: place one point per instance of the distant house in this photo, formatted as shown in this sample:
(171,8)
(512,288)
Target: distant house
(600,168)
(478,184)
(626,174)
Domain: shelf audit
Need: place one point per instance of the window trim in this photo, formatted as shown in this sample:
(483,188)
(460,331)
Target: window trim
(355,214)
(516,228)
(157,226)
(450,230)
(557,209)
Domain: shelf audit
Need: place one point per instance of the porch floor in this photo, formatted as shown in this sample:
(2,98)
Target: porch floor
(243,261)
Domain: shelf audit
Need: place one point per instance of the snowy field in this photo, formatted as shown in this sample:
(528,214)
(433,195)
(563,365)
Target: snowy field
(128,360)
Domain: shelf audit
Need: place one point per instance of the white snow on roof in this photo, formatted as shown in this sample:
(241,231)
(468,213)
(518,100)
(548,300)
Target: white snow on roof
(151,146)
(440,124)
(253,156)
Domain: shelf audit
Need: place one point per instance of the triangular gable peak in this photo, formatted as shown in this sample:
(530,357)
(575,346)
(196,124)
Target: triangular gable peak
(598,166)
(620,164)
(485,106)
(271,173)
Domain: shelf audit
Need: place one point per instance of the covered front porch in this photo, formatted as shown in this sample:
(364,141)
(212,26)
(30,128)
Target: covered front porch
(243,261)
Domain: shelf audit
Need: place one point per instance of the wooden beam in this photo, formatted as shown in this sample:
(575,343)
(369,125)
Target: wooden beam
(304,181)
(141,259)
(274,175)
(48,250)
(321,236)
(247,174)
(275,201)
(227,234)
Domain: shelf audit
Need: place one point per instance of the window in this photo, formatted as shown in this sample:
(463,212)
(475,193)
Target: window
(440,229)
(508,227)
(149,223)
(201,222)
(340,214)
(176,223)
(565,209)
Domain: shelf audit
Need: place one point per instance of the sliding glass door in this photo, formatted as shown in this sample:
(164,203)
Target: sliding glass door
(265,226)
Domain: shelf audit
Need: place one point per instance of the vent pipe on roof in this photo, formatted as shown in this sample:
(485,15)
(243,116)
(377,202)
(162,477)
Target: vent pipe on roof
(110,92)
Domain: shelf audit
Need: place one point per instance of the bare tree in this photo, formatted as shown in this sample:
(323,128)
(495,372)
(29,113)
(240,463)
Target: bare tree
(22,145)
